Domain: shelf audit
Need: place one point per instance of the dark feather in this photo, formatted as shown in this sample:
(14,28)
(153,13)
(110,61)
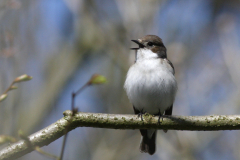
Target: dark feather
(169,62)
(147,145)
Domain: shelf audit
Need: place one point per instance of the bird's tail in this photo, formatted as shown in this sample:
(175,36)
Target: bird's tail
(148,143)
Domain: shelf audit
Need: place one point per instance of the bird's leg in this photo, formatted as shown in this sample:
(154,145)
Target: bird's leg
(159,116)
(140,114)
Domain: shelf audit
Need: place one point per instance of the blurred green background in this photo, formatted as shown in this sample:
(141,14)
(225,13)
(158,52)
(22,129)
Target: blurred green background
(61,43)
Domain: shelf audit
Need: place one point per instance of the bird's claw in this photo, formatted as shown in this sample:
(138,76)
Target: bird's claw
(140,114)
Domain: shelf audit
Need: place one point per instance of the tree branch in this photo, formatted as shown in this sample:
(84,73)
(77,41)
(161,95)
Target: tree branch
(114,121)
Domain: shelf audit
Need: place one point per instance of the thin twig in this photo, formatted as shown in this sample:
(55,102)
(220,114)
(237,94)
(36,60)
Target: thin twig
(39,150)
(21,78)
(9,88)
(63,146)
(74,111)
(82,88)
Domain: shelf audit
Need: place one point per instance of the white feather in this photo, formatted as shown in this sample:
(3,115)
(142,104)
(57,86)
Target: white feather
(150,83)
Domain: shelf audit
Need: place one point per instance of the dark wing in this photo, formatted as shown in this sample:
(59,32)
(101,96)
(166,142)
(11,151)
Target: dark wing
(135,110)
(170,63)
(169,111)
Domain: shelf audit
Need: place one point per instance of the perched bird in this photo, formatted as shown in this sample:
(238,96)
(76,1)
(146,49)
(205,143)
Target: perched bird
(150,85)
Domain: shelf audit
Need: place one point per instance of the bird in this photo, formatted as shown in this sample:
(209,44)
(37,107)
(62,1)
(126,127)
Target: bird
(151,85)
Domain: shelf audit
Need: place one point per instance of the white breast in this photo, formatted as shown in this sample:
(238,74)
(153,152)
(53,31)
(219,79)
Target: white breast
(151,85)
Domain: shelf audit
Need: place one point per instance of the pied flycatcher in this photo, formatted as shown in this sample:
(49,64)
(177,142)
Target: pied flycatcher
(150,85)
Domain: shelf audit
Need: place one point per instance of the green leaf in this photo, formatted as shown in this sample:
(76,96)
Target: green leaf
(2,97)
(21,78)
(97,79)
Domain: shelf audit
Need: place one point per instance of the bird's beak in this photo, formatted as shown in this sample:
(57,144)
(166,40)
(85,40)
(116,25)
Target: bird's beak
(140,45)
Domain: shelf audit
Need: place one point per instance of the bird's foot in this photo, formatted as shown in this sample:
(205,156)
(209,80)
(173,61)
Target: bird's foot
(159,117)
(140,114)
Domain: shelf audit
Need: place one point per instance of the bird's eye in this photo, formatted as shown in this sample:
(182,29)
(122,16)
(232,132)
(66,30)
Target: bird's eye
(150,44)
